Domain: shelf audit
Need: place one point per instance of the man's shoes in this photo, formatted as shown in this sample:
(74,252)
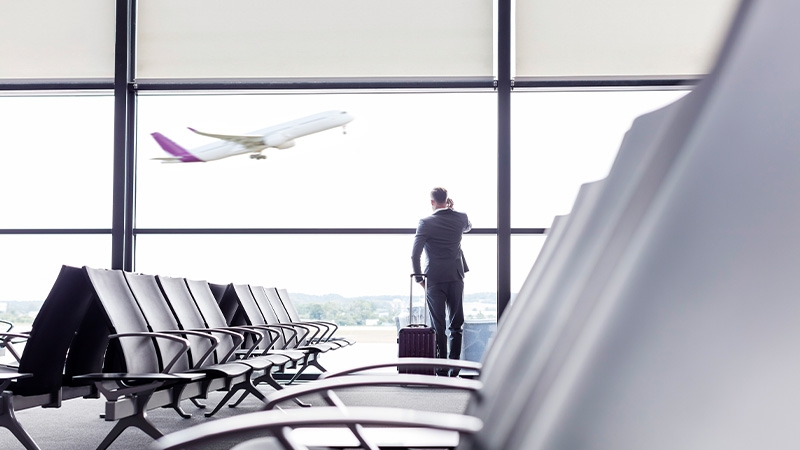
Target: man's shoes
(443,372)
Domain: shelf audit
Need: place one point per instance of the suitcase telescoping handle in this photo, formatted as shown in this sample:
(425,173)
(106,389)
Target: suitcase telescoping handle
(411,299)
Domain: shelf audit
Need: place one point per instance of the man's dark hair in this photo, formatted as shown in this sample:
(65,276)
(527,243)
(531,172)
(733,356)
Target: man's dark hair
(439,194)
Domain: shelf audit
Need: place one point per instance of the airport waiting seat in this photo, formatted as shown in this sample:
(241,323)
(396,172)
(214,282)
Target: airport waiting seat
(141,369)
(249,313)
(140,373)
(330,328)
(206,300)
(690,344)
(190,316)
(273,311)
(43,377)
(222,373)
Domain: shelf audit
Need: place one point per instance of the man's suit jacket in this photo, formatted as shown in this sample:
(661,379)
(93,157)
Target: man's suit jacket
(440,236)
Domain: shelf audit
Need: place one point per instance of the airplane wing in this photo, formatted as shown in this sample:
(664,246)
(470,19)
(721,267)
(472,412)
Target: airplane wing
(245,140)
(168,159)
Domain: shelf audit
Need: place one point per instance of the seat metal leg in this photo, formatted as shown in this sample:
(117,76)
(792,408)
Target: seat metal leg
(277,386)
(138,420)
(9,421)
(181,412)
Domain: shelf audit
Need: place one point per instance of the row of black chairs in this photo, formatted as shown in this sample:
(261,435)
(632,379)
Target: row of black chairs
(662,312)
(145,342)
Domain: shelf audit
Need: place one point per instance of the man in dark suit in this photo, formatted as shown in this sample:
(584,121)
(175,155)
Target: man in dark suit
(440,236)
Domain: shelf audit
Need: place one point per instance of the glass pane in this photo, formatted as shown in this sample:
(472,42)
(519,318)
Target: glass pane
(57,39)
(314,38)
(367,266)
(378,174)
(57,162)
(620,38)
(561,140)
(27,272)
(524,251)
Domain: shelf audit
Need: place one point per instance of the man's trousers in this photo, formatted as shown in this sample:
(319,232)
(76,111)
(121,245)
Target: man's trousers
(445,303)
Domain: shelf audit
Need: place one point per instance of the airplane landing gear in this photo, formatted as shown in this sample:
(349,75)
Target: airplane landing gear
(257,156)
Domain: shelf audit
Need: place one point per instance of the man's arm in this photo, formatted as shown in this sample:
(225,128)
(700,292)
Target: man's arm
(450,204)
(416,251)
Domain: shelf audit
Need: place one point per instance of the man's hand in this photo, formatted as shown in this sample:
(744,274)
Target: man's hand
(422,283)
(449,203)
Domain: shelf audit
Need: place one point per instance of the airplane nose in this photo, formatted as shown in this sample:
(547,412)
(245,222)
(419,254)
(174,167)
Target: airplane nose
(347,117)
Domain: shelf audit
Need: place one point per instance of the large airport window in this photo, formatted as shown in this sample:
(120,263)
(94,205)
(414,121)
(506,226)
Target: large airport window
(560,140)
(57,161)
(525,251)
(351,266)
(377,175)
(27,272)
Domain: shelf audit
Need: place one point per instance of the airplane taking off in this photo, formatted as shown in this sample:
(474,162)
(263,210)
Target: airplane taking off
(279,136)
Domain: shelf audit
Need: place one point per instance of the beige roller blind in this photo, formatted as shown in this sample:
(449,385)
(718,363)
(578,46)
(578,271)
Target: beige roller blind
(619,38)
(56,39)
(314,38)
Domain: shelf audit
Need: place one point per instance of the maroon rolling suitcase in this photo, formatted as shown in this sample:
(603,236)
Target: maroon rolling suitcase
(417,340)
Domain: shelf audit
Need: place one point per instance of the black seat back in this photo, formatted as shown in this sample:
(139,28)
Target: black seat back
(252,312)
(60,318)
(273,315)
(277,305)
(206,303)
(122,315)
(287,303)
(188,314)
(225,297)
(160,317)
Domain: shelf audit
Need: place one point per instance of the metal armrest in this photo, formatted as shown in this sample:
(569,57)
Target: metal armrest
(331,327)
(408,363)
(238,338)
(10,324)
(248,329)
(282,327)
(202,333)
(305,327)
(327,384)
(271,329)
(280,423)
(7,341)
(184,343)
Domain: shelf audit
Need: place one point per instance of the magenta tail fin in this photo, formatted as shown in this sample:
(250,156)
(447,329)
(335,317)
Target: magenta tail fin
(174,149)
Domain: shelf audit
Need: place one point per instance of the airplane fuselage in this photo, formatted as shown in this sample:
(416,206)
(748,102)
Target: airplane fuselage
(280,136)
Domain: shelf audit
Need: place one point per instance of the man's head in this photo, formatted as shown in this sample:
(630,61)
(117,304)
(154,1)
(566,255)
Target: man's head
(438,198)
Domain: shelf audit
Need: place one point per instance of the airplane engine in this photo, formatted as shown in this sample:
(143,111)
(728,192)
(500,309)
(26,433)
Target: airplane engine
(274,140)
(287,144)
